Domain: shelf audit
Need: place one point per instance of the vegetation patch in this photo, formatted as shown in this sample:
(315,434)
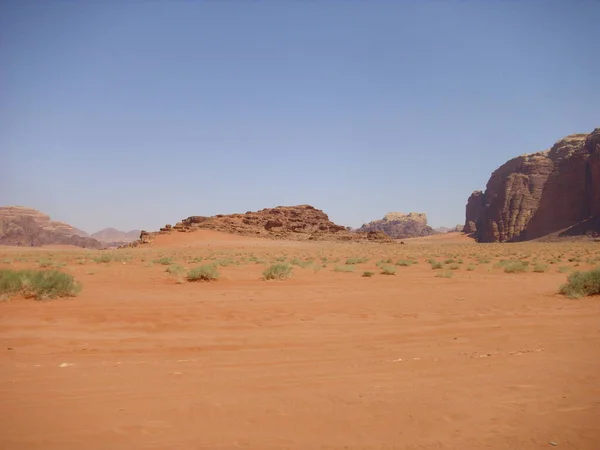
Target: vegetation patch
(351,261)
(346,268)
(368,274)
(388,270)
(582,284)
(277,272)
(206,272)
(38,284)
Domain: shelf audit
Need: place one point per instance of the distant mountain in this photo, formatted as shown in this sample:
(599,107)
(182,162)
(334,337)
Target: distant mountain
(112,235)
(23,226)
(442,230)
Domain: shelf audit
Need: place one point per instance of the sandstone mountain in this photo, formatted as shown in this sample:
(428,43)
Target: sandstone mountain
(400,226)
(538,194)
(442,230)
(112,235)
(302,222)
(28,227)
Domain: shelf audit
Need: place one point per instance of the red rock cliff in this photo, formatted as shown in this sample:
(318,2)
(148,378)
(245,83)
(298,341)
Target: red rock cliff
(534,195)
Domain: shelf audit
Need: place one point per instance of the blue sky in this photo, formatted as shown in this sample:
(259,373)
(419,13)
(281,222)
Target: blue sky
(134,114)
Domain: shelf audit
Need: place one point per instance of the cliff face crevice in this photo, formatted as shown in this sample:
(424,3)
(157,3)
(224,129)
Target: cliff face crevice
(534,195)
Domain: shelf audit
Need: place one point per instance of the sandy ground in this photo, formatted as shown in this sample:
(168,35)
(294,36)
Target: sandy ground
(142,359)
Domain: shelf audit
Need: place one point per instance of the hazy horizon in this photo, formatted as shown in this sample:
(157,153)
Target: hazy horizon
(132,115)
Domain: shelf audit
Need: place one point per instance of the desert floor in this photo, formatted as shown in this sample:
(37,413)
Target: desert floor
(466,356)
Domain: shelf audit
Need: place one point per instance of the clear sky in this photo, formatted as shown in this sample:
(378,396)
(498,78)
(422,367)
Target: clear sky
(133,114)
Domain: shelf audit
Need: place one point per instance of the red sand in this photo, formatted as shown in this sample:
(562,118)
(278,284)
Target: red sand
(323,360)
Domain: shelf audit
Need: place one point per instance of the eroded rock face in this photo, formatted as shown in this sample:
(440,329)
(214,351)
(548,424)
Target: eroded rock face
(475,207)
(534,195)
(400,226)
(303,222)
(26,231)
(41,219)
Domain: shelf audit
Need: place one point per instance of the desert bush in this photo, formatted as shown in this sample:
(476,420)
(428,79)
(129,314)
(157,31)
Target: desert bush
(540,268)
(345,268)
(277,272)
(38,284)
(564,269)
(388,270)
(470,268)
(165,261)
(404,262)
(454,266)
(300,263)
(435,265)
(109,257)
(444,274)
(368,274)
(350,261)
(207,272)
(515,266)
(581,284)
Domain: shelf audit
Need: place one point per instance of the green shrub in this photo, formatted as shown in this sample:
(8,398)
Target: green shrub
(515,266)
(277,272)
(165,261)
(350,261)
(109,257)
(445,274)
(581,284)
(38,284)
(388,270)
(435,265)
(207,272)
(454,266)
(368,274)
(404,262)
(300,263)
(470,268)
(540,268)
(564,269)
(346,268)
(45,263)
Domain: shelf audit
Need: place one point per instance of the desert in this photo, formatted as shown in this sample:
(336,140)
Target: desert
(439,343)
(299,225)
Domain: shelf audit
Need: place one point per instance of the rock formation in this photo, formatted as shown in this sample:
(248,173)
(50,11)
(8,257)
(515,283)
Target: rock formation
(28,227)
(41,219)
(302,222)
(541,193)
(400,226)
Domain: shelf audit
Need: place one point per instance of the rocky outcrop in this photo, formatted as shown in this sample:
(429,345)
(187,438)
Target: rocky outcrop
(400,226)
(303,222)
(538,194)
(26,231)
(475,207)
(41,219)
